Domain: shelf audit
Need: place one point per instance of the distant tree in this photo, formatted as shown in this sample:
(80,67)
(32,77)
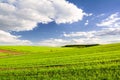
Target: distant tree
(82,45)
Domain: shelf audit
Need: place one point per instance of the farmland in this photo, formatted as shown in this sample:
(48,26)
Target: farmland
(60,63)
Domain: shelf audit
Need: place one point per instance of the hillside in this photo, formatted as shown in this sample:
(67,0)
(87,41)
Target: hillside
(60,63)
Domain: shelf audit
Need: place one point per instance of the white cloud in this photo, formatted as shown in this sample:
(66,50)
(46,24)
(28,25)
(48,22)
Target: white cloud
(90,14)
(86,23)
(113,21)
(103,36)
(101,15)
(86,41)
(109,33)
(8,39)
(11,1)
(103,32)
(83,37)
(110,27)
(71,41)
(80,34)
(22,15)
(53,42)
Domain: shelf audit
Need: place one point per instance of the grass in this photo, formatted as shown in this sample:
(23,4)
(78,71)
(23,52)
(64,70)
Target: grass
(3,54)
(60,63)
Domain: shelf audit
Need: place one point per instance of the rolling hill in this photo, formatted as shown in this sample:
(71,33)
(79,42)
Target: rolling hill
(60,63)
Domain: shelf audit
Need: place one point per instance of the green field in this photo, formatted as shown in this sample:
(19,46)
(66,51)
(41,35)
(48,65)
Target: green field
(60,63)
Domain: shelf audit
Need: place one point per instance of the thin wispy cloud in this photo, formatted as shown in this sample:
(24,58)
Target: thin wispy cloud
(113,21)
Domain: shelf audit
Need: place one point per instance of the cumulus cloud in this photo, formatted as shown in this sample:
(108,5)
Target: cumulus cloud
(23,15)
(8,39)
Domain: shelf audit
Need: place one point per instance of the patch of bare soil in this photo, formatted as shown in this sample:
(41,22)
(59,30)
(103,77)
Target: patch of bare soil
(9,52)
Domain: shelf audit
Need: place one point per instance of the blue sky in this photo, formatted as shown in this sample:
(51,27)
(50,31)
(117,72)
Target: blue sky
(97,22)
